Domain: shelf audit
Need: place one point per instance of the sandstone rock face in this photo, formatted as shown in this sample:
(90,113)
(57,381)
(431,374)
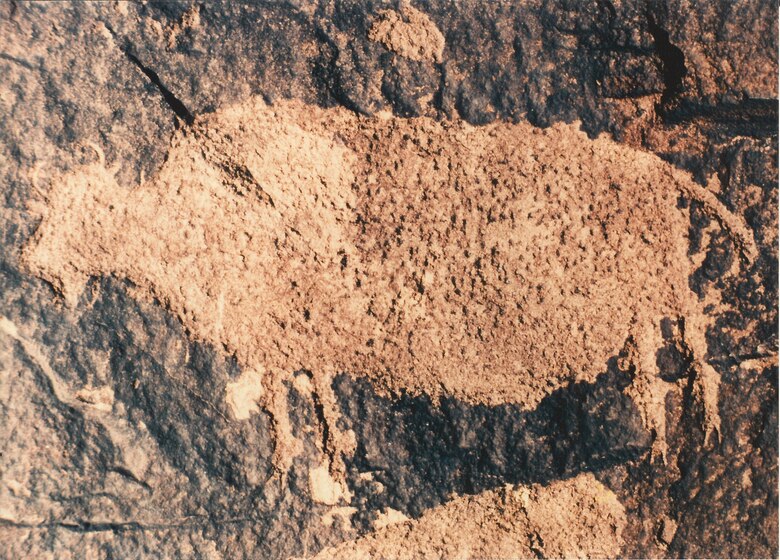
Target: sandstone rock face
(388,280)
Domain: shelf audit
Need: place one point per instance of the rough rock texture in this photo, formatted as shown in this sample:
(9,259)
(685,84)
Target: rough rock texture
(227,232)
(576,518)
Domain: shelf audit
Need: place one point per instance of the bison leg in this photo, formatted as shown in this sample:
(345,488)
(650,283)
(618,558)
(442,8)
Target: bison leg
(707,380)
(647,389)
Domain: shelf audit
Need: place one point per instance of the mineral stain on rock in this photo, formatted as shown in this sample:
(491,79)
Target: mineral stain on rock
(494,264)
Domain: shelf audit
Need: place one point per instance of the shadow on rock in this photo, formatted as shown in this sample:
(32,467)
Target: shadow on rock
(422,453)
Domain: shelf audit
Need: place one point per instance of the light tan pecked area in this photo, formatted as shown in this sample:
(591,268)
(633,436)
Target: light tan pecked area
(576,518)
(409,33)
(495,263)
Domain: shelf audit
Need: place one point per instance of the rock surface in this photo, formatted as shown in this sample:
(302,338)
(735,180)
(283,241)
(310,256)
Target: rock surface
(138,426)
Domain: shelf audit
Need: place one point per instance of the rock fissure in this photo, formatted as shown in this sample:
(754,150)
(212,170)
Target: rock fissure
(174,103)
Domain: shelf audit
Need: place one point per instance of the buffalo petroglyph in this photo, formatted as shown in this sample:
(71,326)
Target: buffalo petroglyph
(494,264)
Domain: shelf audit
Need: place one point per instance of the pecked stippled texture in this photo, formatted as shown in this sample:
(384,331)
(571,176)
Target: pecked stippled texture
(707,107)
(494,264)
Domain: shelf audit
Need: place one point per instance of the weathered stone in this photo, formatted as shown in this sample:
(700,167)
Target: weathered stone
(120,439)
